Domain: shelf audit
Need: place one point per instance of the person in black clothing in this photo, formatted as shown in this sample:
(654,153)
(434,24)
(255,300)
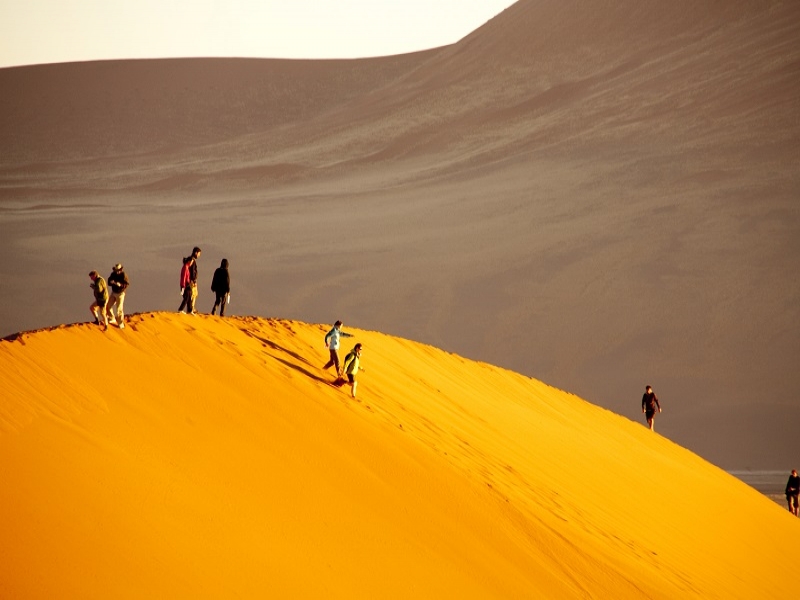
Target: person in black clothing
(793,492)
(649,406)
(221,285)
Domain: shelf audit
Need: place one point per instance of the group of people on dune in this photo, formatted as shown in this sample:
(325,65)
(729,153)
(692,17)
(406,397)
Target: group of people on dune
(220,285)
(352,360)
(108,307)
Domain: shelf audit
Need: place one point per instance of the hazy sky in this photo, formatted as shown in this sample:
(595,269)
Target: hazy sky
(45,31)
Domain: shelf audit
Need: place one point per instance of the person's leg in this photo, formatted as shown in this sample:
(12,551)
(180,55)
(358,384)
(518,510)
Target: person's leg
(223,302)
(334,360)
(216,304)
(102,310)
(93,310)
(187,294)
(121,310)
(112,301)
(353,383)
(193,300)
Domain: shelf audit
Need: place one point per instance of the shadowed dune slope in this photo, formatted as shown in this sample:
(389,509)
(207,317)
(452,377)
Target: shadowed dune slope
(199,457)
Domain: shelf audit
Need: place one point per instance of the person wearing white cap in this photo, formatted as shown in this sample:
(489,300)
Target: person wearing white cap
(118,282)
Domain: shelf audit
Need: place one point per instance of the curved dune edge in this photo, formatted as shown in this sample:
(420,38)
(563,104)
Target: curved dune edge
(190,457)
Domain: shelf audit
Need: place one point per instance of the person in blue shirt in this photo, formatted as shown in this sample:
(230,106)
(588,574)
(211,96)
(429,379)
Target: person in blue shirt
(332,344)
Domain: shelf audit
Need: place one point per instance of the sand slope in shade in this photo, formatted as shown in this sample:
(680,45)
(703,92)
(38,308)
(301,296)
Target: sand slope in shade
(198,457)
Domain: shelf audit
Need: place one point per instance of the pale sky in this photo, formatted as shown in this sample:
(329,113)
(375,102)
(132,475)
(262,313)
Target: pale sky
(47,31)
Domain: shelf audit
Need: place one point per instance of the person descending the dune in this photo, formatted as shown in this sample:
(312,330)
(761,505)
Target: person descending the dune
(118,281)
(98,307)
(221,286)
(352,366)
(332,339)
(649,406)
(189,282)
(793,492)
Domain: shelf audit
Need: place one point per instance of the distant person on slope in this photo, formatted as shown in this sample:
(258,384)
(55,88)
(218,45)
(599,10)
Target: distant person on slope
(793,492)
(649,406)
(118,280)
(352,367)
(332,339)
(221,286)
(98,307)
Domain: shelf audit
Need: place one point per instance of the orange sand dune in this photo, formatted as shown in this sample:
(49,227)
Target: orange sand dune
(207,458)
(601,195)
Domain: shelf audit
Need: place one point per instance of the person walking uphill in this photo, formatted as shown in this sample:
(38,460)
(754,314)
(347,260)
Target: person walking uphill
(221,286)
(352,366)
(649,405)
(793,492)
(98,307)
(332,339)
(189,282)
(118,281)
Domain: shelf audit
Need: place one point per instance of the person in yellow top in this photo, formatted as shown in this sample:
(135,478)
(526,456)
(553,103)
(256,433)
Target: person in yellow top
(352,365)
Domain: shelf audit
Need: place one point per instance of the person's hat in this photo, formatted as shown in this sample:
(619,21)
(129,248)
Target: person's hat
(117,267)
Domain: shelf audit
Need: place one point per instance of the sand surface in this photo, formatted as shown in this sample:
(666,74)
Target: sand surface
(600,197)
(195,457)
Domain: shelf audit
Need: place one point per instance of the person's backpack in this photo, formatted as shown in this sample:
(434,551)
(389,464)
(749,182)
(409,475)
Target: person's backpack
(347,360)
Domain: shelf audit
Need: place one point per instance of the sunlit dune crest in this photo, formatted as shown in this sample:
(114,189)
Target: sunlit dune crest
(190,457)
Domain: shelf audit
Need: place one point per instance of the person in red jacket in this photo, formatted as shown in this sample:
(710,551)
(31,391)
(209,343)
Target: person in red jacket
(186,290)
(189,282)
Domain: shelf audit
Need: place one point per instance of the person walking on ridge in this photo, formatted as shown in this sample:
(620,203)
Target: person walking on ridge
(649,406)
(186,291)
(221,286)
(189,282)
(793,492)
(98,307)
(332,340)
(352,366)
(118,280)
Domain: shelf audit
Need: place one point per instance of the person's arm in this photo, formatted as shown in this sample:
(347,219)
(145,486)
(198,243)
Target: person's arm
(328,337)
(343,334)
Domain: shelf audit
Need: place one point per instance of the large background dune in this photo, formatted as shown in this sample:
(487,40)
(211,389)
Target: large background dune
(600,196)
(195,457)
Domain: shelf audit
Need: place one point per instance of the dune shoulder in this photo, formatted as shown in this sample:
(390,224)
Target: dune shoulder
(207,457)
